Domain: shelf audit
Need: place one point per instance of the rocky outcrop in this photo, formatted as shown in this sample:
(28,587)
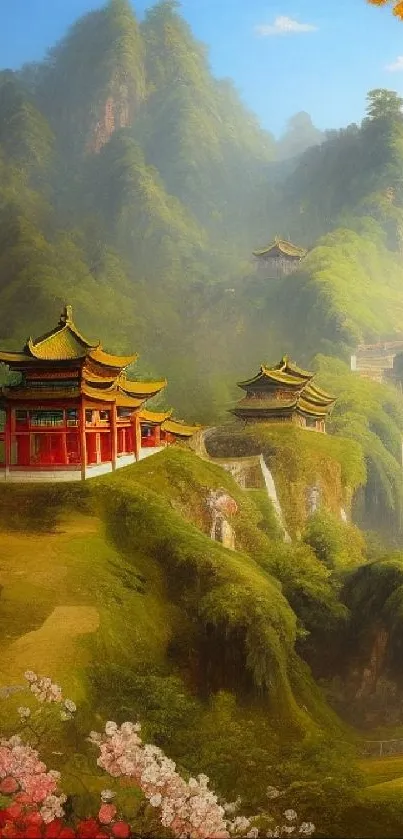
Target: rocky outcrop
(222,506)
(117,112)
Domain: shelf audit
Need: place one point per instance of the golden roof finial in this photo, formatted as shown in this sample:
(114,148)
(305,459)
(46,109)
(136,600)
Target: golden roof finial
(67,315)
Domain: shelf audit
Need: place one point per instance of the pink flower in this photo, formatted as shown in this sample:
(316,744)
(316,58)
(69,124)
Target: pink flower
(107,813)
(8,786)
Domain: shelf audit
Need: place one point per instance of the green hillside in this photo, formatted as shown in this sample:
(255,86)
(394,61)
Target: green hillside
(177,631)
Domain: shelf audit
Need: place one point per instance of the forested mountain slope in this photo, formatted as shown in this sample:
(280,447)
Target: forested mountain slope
(135,185)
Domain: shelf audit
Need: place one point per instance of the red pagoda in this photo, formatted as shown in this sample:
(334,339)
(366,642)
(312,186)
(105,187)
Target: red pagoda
(75,414)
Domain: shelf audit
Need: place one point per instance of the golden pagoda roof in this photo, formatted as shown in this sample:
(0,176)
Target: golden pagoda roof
(283,248)
(154,417)
(180,429)
(315,394)
(116,362)
(146,389)
(283,373)
(111,395)
(64,343)
(306,407)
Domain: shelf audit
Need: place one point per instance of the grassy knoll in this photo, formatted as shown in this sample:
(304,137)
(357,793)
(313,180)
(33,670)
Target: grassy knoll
(115,589)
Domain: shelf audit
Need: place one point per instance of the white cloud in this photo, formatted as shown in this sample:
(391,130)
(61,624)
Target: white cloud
(396,66)
(284,25)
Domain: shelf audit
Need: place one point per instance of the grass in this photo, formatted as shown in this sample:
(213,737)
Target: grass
(125,601)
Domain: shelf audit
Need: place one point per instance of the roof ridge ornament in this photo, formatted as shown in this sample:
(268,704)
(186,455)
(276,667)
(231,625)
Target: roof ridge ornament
(66,318)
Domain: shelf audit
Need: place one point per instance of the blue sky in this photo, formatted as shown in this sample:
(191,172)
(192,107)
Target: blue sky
(320,56)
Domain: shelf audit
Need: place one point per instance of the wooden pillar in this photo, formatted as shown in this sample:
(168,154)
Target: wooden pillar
(7,441)
(64,448)
(83,441)
(114,436)
(157,435)
(136,435)
(64,440)
(98,445)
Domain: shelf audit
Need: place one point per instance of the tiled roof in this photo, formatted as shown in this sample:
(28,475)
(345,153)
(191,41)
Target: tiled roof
(180,429)
(154,417)
(284,247)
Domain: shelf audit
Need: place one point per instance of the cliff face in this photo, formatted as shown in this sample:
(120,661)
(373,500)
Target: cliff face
(94,80)
(116,112)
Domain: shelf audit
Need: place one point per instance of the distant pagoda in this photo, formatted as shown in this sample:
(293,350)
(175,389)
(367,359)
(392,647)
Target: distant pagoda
(280,258)
(284,393)
(75,414)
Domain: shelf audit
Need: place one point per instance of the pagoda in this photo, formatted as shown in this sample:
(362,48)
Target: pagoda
(280,258)
(75,413)
(284,393)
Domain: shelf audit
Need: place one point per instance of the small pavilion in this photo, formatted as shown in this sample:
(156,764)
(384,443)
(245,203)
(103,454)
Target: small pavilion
(284,393)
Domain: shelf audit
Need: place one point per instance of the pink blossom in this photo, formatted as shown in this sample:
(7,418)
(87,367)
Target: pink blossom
(107,813)
(8,786)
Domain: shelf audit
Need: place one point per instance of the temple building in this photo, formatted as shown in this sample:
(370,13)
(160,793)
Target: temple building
(284,393)
(75,414)
(279,259)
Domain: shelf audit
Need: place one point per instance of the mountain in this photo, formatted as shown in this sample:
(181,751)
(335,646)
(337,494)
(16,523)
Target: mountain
(300,135)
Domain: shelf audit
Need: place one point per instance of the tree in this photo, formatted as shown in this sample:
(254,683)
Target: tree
(397,6)
(384,104)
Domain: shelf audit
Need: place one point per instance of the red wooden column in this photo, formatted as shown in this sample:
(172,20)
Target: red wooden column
(157,435)
(136,435)
(83,441)
(64,440)
(114,436)
(7,441)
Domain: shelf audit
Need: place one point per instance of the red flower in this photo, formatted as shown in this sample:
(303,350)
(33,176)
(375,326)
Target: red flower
(121,830)
(34,818)
(67,833)
(13,812)
(34,831)
(53,830)
(87,829)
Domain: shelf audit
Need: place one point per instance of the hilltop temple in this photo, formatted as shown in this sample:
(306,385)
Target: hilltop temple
(284,393)
(75,414)
(280,258)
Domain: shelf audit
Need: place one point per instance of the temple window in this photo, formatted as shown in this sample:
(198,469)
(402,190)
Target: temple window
(104,416)
(88,417)
(48,419)
(72,417)
(52,384)
(2,420)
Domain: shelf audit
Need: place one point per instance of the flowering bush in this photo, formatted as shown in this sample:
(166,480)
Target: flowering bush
(32,806)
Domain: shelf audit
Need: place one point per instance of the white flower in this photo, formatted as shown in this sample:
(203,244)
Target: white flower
(110,728)
(95,737)
(24,713)
(156,799)
(253,833)
(307,828)
(272,792)
(70,706)
(289,828)
(107,795)
(290,815)
(30,676)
